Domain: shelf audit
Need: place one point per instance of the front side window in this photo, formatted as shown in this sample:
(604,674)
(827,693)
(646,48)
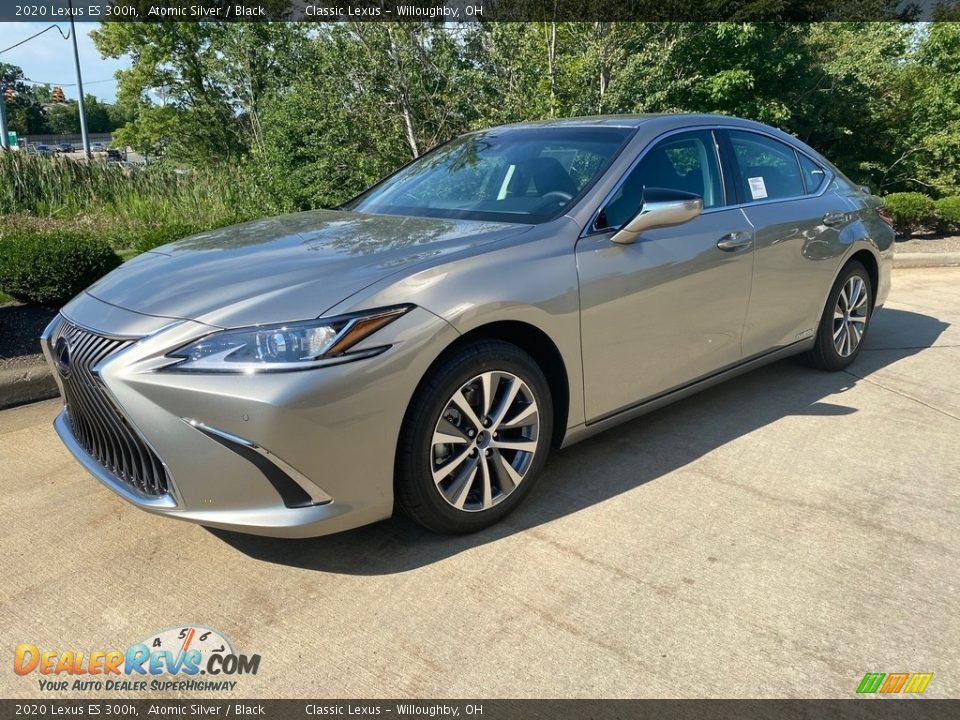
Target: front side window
(526,175)
(768,168)
(686,162)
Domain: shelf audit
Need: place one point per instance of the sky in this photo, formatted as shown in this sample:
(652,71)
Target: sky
(49,58)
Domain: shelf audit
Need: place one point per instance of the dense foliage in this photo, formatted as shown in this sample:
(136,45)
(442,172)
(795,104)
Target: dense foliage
(911,211)
(948,214)
(325,110)
(50,268)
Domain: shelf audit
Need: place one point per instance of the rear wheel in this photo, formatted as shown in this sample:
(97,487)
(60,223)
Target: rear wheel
(845,320)
(476,435)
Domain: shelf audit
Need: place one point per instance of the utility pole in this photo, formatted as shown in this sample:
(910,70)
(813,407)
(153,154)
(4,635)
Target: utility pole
(4,140)
(80,106)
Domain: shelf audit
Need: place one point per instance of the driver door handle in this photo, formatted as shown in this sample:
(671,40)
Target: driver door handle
(735,241)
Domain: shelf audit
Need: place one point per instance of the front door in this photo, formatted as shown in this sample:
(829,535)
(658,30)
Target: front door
(668,309)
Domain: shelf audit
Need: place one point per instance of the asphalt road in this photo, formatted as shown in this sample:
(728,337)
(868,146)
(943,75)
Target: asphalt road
(780,535)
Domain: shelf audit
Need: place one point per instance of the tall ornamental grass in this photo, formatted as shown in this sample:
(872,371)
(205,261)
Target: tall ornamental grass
(129,207)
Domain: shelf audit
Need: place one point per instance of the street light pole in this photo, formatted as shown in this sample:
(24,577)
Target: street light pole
(4,138)
(80,106)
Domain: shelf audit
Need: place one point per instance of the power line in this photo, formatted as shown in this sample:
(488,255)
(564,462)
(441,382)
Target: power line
(65,37)
(63,84)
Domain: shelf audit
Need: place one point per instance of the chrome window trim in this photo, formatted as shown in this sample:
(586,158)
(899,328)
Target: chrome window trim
(591,231)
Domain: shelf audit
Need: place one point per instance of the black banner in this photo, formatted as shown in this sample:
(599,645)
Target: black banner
(894,709)
(477,10)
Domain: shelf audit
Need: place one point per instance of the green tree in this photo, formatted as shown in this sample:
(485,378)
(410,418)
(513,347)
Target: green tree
(63,119)
(210,76)
(102,117)
(930,157)
(323,110)
(370,97)
(43,93)
(24,112)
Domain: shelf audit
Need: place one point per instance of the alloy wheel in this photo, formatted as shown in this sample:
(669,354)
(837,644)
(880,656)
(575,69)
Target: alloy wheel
(485,441)
(850,316)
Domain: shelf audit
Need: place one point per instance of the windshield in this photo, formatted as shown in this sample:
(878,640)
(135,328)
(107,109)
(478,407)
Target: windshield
(524,175)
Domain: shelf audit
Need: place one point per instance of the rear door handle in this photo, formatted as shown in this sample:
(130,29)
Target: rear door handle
(834,218)
(735,241)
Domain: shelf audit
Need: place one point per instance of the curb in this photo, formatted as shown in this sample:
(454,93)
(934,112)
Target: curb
(926,259)
(27,384)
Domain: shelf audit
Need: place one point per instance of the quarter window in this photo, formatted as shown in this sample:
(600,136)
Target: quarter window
(686,162)
(813,175)
(768,168)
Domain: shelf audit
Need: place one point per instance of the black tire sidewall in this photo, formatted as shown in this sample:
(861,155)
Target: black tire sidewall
(826,354)
(416,492)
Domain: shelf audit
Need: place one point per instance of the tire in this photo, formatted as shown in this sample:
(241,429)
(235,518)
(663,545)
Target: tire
(435,484)
(837,344)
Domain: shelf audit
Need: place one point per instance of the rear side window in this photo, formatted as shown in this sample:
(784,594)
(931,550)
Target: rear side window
(814,176)
(768,168)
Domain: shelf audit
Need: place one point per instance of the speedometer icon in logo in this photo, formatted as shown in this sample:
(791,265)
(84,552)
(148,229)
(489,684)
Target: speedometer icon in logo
(193,637)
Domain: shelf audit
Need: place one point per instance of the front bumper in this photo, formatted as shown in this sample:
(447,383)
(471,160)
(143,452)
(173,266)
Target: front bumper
(227,440)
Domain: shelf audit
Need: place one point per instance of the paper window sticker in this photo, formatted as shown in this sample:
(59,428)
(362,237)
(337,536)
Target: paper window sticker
(757,189)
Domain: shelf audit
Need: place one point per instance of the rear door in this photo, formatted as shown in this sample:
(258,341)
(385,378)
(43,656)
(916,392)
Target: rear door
(669,308)
(797,218)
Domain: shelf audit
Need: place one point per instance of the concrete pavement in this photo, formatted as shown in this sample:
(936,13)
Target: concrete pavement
(779,535)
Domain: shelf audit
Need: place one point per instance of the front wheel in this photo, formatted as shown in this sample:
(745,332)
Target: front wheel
(474,438)
(845,320)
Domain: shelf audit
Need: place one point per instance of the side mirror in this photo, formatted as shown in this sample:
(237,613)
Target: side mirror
(660,207)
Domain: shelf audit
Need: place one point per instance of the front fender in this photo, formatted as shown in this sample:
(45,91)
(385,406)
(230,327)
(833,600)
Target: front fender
(530,279)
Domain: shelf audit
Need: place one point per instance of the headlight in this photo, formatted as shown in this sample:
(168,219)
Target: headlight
(292,346)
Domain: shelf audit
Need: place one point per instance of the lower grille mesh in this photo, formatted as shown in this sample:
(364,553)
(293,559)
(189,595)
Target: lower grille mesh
(97,425)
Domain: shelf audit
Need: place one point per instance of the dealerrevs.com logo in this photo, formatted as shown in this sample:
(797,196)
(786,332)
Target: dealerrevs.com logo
(176,659)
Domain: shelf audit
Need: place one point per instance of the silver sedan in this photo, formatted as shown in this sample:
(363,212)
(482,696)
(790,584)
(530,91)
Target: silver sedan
(424,346)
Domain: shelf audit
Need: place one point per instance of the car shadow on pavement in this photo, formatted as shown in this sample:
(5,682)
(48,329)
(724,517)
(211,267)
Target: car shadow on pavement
(616,461)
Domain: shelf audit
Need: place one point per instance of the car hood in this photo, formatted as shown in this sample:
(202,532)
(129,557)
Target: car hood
(285,268)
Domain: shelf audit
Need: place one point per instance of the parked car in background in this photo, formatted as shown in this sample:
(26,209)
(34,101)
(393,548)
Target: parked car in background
(43,150)
(114,155)
(97,147)
(425,345)
(64,148)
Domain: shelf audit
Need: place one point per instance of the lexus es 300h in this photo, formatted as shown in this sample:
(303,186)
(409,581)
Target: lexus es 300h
(425,345)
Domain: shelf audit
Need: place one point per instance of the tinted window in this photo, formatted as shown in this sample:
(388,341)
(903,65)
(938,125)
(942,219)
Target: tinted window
(685,162)
(813,175)
(768,168)
(526,175)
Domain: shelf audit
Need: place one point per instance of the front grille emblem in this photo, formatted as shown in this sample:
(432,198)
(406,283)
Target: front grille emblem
(61,357)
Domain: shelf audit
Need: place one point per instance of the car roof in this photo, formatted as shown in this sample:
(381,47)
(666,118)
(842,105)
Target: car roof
(652,125)
(663,120)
